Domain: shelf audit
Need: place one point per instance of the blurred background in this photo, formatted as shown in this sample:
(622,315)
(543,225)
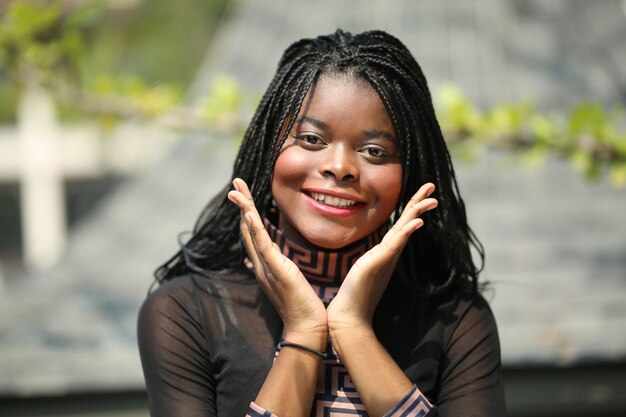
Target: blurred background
(119,119)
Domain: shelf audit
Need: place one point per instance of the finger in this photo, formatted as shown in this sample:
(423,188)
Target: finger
(423,193)
(246,237)
(262,271)
(395,239)
(422,207)
(241,186)
(393,243)
(241,196)
(260,238)
(243,199)
(421,200)
(244,203)
(269,253)
(409,220)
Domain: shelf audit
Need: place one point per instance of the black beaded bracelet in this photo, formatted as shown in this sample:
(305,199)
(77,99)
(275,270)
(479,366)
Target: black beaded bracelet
(298,346)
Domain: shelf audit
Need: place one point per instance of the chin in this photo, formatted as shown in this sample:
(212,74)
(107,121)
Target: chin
(326,243)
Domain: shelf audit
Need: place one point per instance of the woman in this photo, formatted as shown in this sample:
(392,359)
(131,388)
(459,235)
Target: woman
(301,298)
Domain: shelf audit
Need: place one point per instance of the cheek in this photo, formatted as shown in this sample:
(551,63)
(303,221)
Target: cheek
(289,170)
(285,167)
(389,184)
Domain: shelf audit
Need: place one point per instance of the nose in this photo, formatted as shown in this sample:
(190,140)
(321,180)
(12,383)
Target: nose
(340,163)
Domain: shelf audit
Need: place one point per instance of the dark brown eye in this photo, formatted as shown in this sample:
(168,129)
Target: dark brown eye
(375,152)
(309,139)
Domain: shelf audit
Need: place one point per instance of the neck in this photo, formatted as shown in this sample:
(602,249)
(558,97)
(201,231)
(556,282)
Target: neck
(324,266)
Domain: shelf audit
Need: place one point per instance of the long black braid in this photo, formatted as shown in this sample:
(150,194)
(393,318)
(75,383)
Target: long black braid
(436,258)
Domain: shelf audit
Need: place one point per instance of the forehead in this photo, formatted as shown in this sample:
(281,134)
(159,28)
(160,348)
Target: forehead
(335,97)
(345,83)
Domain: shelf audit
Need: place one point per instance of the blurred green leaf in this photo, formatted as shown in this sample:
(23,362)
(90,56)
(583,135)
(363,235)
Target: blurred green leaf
(224,100)
(160,42)
(466,150)
(591,135)
(508,120)
(584,162)
(585,117)
(535,156)
(24,21)
(150,50)
(455,110)
(544,130)
(618,175)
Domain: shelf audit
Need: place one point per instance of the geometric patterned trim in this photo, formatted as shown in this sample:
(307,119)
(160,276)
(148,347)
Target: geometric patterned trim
(414,404)
(324,266)
(257,411)
(335,394)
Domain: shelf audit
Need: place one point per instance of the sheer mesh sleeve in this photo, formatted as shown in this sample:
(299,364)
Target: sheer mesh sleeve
(176,364)
(206,348)
(471,381)
(414,404)
(258,411)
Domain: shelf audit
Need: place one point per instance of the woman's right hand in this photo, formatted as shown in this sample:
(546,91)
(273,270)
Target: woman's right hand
(302,311)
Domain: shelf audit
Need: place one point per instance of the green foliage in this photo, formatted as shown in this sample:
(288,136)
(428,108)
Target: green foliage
(592,137)
(73,48)
(142,98)
(163,41)
(38,40)
(224,105)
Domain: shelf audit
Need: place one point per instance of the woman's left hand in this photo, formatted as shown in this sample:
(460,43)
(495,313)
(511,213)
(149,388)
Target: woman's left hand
(361,290)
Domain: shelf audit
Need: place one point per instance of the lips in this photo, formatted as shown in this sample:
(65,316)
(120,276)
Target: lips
(332,203)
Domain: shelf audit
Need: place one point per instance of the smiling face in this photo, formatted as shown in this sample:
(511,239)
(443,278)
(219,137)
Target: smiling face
(338,176)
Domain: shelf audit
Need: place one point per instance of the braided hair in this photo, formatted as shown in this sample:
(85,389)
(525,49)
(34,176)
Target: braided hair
(435,259)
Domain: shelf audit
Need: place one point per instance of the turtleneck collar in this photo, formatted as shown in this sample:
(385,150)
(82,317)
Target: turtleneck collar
(324,266)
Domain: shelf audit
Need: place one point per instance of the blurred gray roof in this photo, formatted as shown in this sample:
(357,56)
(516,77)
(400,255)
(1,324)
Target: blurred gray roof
(556,245)
(557,52)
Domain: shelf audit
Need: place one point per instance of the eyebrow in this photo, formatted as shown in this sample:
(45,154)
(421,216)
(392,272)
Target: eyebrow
(377,133)
(369,133)
(312,120)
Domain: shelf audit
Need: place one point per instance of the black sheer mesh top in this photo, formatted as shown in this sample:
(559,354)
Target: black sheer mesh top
(207,343)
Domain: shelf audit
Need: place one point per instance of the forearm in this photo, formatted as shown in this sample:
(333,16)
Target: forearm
(381,384)
(290,385)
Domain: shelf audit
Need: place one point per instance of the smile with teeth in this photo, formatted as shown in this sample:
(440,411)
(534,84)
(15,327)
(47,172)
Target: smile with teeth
(333,201)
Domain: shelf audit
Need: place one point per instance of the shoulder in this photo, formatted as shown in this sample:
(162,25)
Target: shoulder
(167,311)
(189,298)
(466,310)
(471,369)
(175,296)
(469,335)
(188,313)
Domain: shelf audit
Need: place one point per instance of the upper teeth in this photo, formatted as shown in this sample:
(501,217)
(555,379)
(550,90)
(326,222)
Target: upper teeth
(333,201)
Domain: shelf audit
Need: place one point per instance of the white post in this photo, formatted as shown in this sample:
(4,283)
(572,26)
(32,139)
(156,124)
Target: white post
(42,199)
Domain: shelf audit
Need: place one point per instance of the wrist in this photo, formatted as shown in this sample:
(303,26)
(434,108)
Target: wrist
(304,348)
(348,323)
(348,338)
(315,340)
